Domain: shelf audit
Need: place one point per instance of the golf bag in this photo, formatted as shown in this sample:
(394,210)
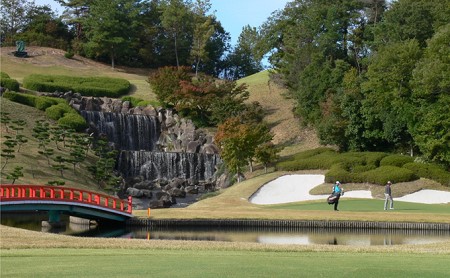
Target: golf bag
(332,199)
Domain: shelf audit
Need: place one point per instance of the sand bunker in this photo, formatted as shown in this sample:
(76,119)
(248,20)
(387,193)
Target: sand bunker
(295,188)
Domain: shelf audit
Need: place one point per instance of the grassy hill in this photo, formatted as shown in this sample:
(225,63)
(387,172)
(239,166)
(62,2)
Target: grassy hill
(44,60)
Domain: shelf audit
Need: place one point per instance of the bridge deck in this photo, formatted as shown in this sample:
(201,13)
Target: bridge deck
(73,201)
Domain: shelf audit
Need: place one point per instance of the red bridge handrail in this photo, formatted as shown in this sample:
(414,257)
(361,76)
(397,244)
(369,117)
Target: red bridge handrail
(11,192)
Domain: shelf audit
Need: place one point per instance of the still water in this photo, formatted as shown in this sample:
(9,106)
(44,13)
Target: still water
(301,236)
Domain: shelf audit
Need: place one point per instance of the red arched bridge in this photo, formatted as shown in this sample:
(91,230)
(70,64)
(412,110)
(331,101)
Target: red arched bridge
(58,199)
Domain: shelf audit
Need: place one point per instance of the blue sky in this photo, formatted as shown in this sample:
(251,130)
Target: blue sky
(233,14)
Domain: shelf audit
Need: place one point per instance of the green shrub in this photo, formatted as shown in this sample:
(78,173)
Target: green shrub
(4,75)
(383,174)
(8,83)
(430,171)
(166,81)
(56,112)
(42,103)
(25,99)
(397,160)
(69,54)
(86,86)
(338,172)
(73,120)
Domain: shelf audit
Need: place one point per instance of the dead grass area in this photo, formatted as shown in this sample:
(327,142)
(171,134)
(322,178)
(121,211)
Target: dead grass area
(285,126)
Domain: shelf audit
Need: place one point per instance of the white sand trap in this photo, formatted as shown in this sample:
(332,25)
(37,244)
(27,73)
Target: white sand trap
(426,196)
(295,188)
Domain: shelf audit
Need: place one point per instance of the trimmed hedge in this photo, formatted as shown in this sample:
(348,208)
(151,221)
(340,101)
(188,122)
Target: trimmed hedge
(86,86)
(137,102)
(4,75)
(8,83)
(38,102)
(73,120)
(56,112)
(378,175)
(55,108)
(383,174)
(396,160)
(430,171)
(360,167)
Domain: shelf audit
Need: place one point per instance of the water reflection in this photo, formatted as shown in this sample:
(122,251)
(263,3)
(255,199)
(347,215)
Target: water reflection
(301,236)
(273,235)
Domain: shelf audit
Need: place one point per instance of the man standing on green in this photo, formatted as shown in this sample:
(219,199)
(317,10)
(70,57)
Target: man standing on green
(337,191)
(388,196)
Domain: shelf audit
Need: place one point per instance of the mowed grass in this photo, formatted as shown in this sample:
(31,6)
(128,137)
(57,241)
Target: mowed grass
(365,205)
(214,263)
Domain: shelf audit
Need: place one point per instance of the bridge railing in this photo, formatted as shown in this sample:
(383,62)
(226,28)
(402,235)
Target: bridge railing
(11,192)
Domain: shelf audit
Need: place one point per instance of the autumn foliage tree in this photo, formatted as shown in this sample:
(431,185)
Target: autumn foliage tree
(239,141)
(202,99)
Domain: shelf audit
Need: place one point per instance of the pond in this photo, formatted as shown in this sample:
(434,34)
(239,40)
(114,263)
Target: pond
(301,236)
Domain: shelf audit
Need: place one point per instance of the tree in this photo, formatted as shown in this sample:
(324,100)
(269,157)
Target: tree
(8,152)
(203,30)
(15,174)
(431,84)
(196,99)
(44,28)
(242,61)
(166,81)
(386,109)
(74,14)
(238,142)
(13,19)
(110,28)
(266,153)
(176,22)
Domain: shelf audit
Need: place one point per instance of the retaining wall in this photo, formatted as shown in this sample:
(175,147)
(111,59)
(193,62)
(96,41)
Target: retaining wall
(171,223)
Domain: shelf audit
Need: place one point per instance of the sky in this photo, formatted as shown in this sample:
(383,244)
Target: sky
(233,14)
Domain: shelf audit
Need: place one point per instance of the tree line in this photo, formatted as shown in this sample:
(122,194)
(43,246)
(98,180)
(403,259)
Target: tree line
(137,33)
(369,75)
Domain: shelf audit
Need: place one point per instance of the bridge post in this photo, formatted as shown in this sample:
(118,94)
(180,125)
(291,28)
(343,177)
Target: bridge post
(54,220)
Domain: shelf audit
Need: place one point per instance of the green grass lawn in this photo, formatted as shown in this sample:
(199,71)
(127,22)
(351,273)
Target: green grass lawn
(216,263)
(366,205)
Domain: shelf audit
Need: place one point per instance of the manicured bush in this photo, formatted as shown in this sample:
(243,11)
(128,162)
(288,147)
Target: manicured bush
(55,108)
(56,112)
(135,102)
(338,172)
(430,171)
(42,103)
(4,75)
(73,121)
(25,99)
(86,86)
(383,174)
(8,83)
(396,160)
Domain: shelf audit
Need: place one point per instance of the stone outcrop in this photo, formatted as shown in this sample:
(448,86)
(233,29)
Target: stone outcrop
(163,157)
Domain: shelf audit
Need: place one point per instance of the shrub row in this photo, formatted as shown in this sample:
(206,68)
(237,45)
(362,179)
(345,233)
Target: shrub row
(396,160)
(55,108)
(86,86)
(378,175)
(8,83)
(430,171)
(372,167)
(135,102)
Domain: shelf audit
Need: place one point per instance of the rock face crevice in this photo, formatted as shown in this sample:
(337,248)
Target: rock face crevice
(164,159)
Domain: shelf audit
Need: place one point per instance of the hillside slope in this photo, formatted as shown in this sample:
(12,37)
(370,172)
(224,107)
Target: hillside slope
(42,60)
(285,126)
